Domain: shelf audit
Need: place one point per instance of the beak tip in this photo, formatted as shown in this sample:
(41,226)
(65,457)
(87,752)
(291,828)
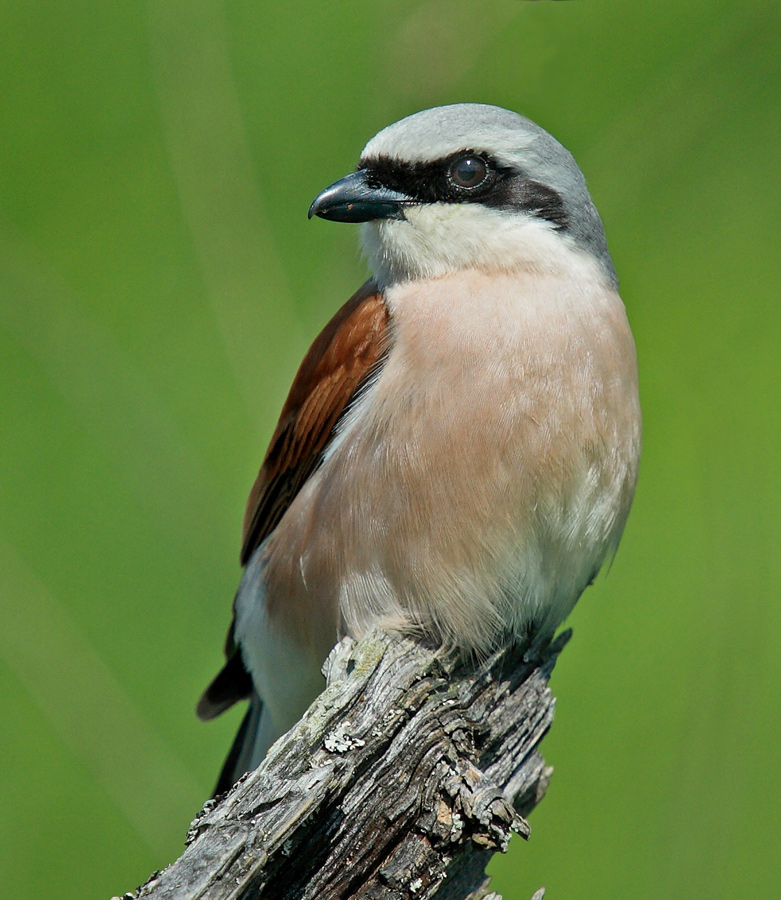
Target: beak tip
(352,200)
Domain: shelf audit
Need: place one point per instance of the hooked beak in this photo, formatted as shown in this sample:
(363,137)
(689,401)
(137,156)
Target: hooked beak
(351,199)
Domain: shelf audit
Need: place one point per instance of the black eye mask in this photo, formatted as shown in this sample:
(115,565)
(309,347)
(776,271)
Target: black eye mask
(497,186)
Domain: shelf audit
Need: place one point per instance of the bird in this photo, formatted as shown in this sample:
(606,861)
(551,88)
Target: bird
(458,452)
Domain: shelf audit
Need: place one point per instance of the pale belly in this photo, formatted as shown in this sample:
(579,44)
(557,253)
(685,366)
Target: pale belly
(479,484)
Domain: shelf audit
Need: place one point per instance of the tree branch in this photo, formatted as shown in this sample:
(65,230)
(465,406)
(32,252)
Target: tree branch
(401,781)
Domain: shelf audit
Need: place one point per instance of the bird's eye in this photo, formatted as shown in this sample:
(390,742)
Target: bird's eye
(468,171)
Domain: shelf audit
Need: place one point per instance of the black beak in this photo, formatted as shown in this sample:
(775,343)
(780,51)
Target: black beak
(352,200)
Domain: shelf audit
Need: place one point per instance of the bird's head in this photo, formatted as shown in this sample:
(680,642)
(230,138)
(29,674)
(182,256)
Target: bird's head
(468,186)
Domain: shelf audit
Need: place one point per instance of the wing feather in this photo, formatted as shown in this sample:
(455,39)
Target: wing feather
(343,355)
(339,362)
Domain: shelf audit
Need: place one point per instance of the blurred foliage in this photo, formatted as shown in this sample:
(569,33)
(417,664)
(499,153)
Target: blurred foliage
(158,284)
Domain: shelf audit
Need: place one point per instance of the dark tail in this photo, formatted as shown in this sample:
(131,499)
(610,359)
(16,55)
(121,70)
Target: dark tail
(243,749)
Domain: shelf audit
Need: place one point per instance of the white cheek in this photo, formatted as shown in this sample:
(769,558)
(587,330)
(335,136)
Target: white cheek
(442,238)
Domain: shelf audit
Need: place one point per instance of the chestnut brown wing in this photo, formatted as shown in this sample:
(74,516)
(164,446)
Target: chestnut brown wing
(343,355)
(339,362)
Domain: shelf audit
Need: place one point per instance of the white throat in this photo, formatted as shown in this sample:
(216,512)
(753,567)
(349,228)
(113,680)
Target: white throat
(442,238)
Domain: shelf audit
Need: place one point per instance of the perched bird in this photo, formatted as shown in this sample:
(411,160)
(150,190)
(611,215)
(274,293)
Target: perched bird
(458,452)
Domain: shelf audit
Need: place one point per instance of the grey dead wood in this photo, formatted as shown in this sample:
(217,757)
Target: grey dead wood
(399,783)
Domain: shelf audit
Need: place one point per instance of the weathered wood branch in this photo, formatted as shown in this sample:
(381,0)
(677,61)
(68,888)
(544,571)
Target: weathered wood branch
(401,781)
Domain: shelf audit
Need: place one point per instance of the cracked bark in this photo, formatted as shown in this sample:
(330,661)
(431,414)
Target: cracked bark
(400,782)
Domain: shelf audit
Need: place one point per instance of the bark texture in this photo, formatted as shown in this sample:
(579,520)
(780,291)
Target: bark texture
(399,783)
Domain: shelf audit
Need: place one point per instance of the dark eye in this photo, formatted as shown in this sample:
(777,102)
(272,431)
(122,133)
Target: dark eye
(468,171)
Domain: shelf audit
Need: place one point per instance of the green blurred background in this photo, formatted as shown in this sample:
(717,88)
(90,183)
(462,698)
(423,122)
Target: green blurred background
(159,282)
